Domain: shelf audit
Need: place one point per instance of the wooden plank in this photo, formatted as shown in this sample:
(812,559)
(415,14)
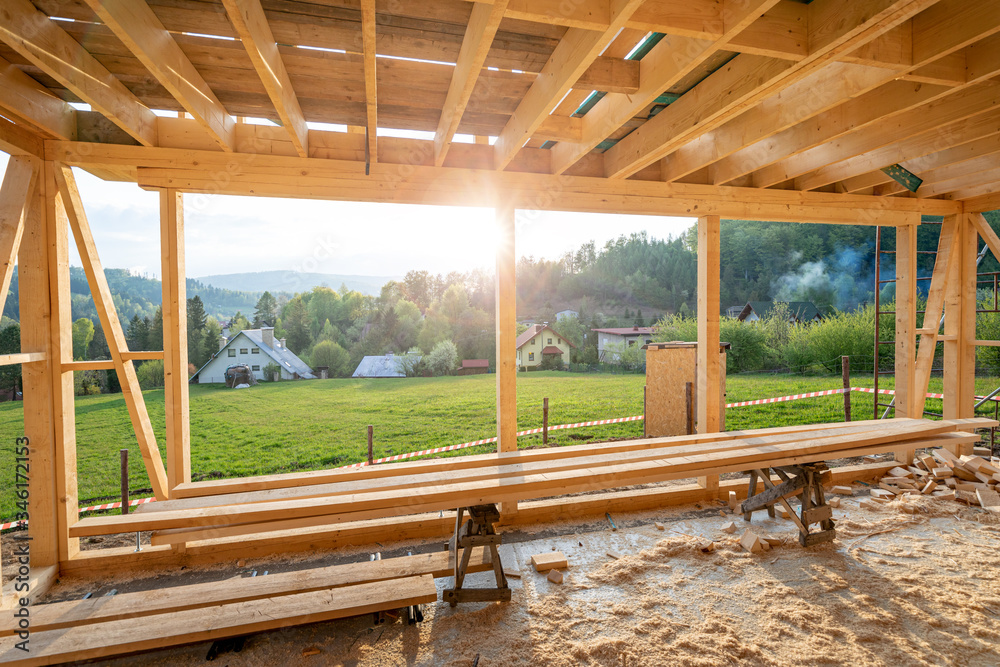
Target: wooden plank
(662,68)
(371,92)
(575,52)
(73,613)
(244,485)
(170,536)
(483,24)
(61,349)
(99,365)
(434,525)
(906,317)
(932,315)
(533,461)
(47,46)
(251,25)
(113,331)
(458,494)
(960,324)
(15,198)
(138,27)
(175,350)
(25,100)
(21,358)
(707,368)
(228,620)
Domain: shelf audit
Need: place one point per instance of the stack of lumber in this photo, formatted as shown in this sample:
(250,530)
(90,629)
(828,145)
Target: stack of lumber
(283,502)
(101,627)
(970,479)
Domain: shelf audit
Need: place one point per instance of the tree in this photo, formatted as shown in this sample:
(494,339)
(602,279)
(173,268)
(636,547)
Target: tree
(238,324)
(83,333)
(266,310)
(213,334)
(98,348)
(138,332)
(196,314)
(333,356)
(436,329)
(297,325)
(154,340)
(10,343)
(150,374)
(408,321)
(443,359)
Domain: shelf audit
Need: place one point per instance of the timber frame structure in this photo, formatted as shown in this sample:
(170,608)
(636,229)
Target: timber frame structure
(749,109)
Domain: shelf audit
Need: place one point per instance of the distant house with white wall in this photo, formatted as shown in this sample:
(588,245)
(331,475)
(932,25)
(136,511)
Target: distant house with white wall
(256,348)
(628,336)
(564,314)
(540,341)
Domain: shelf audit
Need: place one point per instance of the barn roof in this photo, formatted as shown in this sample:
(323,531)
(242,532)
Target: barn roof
(382,366)
(803,311)
(868,111)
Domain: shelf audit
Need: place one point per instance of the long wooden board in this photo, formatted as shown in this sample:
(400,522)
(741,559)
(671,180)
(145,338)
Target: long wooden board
(527,462)
(182,535)
(86,642)
(309,478)
(460,494)
(196,596)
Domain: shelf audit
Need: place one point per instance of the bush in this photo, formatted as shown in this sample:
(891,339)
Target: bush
(443,359)
(150,374)
(749,351)
(551,362)
(272,372)
(333,356)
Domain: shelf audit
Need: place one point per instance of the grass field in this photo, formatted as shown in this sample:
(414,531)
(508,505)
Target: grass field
(319,424)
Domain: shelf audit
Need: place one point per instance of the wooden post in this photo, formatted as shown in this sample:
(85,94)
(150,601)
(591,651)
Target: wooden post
(506,329)
(61,350)
(371,438)
(123,456)
(959,325)
(35,304)
(906,316)
(545,421)
(175,348)
(845,368)
(708,371)
(689,403)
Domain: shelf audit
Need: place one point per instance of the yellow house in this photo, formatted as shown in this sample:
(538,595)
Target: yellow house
(538,342)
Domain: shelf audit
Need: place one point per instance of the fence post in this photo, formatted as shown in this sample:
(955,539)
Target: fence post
(545,421)
(689,399)
(845,365)
(645,431)
(123,454)
(371,453)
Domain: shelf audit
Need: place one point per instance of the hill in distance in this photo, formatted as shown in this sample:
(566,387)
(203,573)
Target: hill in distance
(294,281)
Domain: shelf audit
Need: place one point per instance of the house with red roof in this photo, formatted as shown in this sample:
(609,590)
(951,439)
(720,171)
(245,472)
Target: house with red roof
(538,342)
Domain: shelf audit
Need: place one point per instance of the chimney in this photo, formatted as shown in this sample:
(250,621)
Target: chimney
(267,335)
(282,343)
(222,341)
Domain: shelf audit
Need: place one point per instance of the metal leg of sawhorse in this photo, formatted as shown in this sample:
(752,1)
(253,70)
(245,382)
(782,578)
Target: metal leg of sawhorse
(805,480)
(476,531)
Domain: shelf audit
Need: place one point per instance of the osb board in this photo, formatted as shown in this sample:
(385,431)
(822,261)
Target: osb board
(667,372)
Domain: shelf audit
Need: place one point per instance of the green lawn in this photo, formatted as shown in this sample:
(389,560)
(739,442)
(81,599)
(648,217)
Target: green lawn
(318,424)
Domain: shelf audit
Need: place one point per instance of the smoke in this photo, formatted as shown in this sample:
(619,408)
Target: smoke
(843,281)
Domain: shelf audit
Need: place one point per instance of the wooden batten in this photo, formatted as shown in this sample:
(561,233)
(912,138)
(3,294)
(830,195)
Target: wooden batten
(506,332)
(175,352)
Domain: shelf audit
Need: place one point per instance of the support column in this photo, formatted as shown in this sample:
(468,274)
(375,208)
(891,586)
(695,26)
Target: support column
(61,349)
(906,323)
(960,326)
(36,319)
(506,331)
(709,372)
(175,348)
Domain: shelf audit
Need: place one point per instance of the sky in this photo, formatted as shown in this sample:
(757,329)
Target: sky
(245,234)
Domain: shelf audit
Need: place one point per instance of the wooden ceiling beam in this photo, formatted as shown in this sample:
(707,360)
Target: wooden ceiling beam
(135,24)
(984,202)
(250,23)
(570,59)
(483,24)
(818,92)
(672,59)
(912,135)
(26,101)
(371,86)
(977,173)
(47,46)
(15,199)
(836,27)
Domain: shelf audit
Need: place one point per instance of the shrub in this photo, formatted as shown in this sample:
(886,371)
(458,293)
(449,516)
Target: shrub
(333,356)
(150,374)
(443,359)
(272,372)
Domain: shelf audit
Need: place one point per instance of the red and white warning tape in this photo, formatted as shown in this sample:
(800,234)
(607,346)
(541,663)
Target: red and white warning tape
(92,508)
(793,397)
